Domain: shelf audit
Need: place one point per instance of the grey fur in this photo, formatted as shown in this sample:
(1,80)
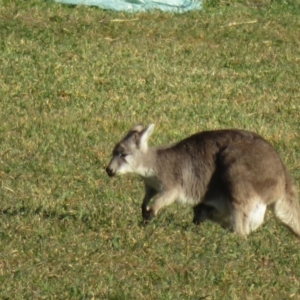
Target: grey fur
(228,176)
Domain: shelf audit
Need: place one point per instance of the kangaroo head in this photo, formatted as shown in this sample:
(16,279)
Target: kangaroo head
(129,153)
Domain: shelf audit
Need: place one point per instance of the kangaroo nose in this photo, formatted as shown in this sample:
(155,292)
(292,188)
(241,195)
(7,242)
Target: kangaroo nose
(109,172)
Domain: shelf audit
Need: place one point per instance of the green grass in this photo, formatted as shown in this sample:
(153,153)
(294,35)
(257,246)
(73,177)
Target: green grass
(73,80)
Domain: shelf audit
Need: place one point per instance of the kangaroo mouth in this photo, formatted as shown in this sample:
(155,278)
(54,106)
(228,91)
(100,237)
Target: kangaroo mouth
(110,172)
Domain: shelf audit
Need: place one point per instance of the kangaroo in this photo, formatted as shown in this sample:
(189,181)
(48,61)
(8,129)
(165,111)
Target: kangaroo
(228,176)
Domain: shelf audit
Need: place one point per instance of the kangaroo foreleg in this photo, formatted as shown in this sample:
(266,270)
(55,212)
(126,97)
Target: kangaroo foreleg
(164,199)
(150,193)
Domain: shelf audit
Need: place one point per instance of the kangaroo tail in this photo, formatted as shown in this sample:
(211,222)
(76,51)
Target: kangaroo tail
(287,209)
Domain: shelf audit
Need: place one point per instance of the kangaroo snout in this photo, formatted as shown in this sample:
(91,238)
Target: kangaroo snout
(110,172)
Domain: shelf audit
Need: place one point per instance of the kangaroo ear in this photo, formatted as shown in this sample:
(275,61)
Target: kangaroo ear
(137,128)
(145,136)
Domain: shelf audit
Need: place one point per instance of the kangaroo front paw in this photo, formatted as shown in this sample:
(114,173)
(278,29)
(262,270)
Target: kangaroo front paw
(148,215)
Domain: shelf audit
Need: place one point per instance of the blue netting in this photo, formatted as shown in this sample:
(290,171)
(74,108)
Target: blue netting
(140,5)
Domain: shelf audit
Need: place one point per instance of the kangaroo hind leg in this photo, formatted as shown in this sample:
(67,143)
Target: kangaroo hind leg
(249,217)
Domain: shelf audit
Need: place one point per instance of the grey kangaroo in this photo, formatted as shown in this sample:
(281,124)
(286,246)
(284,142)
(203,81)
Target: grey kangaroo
(228,176)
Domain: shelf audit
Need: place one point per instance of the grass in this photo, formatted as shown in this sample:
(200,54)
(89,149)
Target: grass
(73,80)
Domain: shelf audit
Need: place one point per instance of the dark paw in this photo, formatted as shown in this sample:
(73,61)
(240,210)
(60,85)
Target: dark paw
(148,215)
(202,212)
(197,220)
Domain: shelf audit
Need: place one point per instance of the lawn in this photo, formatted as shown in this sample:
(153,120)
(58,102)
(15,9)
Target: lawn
(73,80)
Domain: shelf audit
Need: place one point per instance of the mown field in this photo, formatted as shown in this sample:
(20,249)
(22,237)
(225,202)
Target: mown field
(73,80)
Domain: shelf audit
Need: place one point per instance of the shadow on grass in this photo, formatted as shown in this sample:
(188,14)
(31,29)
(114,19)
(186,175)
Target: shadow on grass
(87,219)
(94,219)
(25,211)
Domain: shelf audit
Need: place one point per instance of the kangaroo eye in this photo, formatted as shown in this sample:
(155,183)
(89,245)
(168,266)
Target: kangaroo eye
(122,155)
